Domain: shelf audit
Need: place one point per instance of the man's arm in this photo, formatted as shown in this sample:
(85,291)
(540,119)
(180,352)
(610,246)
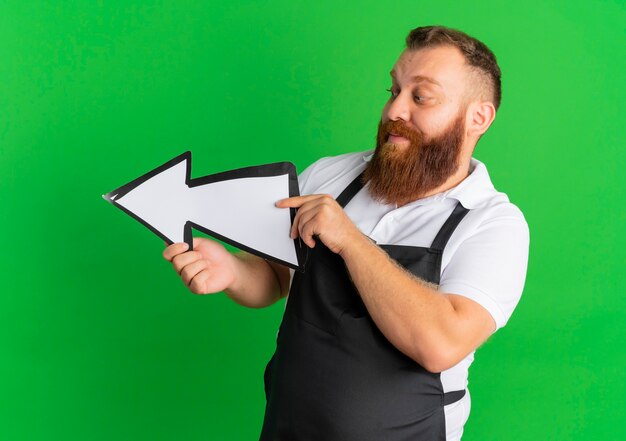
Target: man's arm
(247,279)
(435,329)
(259,282)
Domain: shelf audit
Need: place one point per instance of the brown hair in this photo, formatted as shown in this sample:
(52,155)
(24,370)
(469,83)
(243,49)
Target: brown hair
(476,53)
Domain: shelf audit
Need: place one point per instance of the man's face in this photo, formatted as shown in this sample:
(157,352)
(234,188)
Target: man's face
(421,135)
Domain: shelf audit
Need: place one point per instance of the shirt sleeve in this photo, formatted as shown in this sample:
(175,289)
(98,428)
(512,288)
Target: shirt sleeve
(490,266)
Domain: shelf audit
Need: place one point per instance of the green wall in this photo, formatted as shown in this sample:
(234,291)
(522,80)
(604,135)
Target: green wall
(99,338)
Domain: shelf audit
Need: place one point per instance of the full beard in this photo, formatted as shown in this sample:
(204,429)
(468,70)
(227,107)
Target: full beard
(399,175)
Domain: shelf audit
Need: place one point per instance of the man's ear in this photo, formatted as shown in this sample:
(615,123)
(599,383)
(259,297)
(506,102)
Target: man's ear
(480,115)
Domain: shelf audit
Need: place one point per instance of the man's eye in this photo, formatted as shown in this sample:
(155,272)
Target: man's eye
(417,98)
(392,92)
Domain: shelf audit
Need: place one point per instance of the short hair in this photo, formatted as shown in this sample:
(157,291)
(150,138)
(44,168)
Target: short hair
(476,54)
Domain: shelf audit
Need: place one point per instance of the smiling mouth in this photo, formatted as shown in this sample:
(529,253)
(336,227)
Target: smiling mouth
(396,138)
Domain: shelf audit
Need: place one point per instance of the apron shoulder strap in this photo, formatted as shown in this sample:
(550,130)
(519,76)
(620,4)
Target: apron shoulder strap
(352,189)
(449,226)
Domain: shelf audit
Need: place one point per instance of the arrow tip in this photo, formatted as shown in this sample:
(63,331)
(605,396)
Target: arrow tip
(109,197)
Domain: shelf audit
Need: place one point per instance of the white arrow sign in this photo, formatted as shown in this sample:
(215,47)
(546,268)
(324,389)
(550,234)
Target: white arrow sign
(236,206)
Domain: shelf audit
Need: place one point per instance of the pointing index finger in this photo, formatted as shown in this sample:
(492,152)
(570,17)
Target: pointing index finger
(296,201)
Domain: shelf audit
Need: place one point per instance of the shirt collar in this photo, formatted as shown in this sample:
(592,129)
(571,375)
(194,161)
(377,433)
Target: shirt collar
(472,191)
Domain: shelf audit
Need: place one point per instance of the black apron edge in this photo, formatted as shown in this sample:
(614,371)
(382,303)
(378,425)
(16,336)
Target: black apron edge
(453,396)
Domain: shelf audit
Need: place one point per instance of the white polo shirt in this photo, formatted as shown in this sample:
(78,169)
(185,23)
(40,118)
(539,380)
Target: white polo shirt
(484,260)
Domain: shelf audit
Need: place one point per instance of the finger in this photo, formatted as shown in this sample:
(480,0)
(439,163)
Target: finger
(174,250)
(198,282)
(293,233)
(297,201)
(192,269)
(182,260)
(305,218)
(307,227)
(306,210)
(307,230)
(197,241)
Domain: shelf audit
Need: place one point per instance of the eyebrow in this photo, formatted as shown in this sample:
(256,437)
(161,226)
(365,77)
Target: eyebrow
(418,78)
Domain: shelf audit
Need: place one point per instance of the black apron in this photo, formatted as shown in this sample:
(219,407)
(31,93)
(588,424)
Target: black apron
(334,375)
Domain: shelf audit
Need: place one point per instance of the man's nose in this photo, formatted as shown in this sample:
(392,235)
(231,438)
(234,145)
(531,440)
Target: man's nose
(399,109)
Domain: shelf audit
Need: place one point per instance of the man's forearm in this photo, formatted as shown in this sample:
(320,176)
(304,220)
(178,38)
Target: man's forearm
(415,317)
(256,284)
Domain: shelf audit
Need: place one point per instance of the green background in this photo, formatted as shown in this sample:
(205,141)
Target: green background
(99,338)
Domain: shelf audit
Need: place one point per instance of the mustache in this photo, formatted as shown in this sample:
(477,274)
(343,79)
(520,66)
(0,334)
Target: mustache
(399,128)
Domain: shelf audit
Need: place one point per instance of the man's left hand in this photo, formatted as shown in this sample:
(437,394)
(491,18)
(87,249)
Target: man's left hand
(320,215)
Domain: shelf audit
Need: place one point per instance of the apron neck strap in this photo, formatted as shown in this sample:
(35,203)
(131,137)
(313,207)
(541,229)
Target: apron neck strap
(449,226)
(351,190)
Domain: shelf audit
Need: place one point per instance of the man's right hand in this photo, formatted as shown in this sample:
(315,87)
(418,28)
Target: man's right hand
(208,269)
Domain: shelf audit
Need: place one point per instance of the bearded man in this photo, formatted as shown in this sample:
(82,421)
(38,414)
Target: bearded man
(414,261)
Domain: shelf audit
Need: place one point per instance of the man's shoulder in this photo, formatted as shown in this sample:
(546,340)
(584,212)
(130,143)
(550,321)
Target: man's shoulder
(500,211)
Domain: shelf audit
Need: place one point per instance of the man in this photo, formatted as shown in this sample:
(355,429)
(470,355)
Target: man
(414,261)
